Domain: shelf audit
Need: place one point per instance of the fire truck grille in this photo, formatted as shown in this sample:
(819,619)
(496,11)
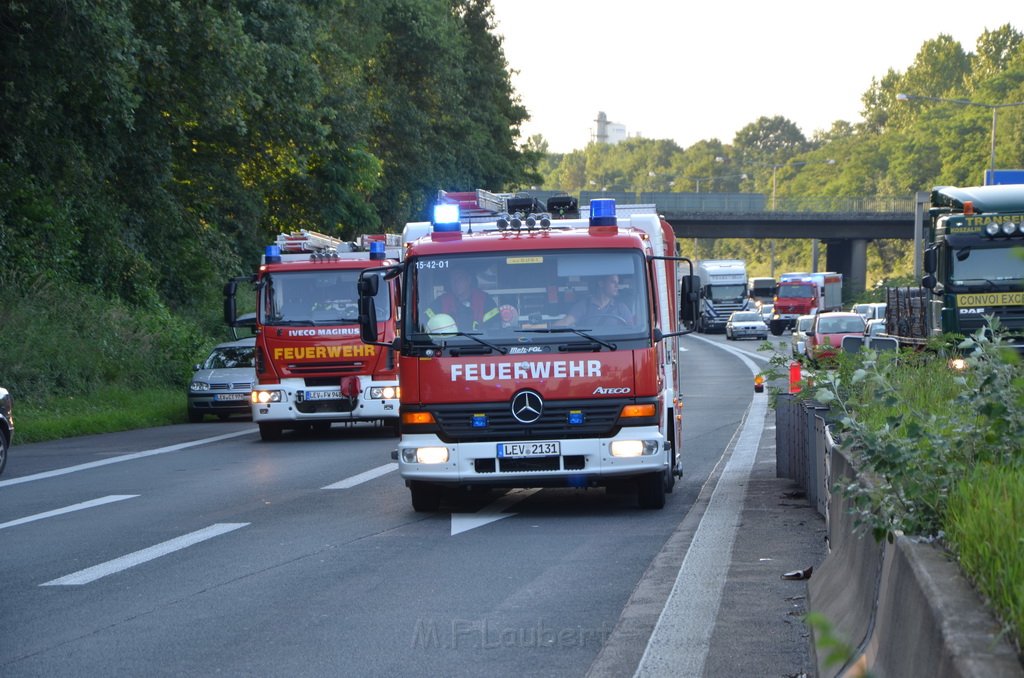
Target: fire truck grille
(574,462)
(599,419)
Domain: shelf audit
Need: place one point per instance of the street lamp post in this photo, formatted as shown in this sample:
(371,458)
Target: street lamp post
(964,102)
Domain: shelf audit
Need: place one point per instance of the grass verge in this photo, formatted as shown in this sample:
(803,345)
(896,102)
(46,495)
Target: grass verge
(109,409)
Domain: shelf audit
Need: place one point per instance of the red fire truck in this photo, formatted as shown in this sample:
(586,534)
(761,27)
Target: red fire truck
(312,370)
(572,382)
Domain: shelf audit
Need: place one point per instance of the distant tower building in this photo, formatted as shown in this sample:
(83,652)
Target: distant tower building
(608,132)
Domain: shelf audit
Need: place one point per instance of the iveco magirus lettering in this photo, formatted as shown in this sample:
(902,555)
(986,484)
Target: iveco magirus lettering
(537,346)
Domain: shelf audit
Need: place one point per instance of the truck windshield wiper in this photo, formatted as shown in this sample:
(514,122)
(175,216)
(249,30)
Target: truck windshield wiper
(475,336)
(570,330)
(292,323)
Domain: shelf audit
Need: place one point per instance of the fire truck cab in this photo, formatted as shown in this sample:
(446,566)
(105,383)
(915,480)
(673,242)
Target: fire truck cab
(535,350)
(312,369)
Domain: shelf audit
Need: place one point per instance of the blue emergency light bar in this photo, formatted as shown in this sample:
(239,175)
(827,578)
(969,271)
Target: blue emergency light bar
(377,250)
(446,218)
(602,212)
(272,254)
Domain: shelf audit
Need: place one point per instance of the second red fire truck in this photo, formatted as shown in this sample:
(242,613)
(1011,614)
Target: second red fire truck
(312,369)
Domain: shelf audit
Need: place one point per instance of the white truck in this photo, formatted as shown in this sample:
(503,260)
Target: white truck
(723,289)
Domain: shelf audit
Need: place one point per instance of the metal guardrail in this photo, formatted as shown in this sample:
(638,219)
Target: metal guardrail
(756,202)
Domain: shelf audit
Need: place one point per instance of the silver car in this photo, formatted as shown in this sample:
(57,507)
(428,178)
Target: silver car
(745,324)
(798,344)
(222,383)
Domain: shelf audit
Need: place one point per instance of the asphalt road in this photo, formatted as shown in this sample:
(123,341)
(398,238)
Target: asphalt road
(199,549)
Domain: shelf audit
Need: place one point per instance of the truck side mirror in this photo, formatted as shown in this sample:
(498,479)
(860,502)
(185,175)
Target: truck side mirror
(367,315)
(689,298)
(368,285)
(928,282)
(930,262)
(229,303)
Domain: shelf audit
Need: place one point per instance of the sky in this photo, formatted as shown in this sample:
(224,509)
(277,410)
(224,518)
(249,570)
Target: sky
(689,70)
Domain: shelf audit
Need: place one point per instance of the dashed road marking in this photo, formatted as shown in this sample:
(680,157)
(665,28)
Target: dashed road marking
(109,499)
(95,572)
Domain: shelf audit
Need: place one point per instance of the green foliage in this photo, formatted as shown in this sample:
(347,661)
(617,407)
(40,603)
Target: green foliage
(837,652)
(985,528)
(916,427)
(69,341)
(111,408)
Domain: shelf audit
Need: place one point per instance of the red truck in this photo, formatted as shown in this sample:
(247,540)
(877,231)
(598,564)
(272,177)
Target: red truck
(312,370)
(547,393)
(800,294)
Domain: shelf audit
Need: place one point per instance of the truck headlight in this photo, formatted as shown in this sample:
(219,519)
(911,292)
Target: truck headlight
(424,455)
(634,448)
(384,392)
(261,397)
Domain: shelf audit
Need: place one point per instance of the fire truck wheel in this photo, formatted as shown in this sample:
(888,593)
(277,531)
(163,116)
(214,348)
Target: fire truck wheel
(426,498)
(270,431)
(650,491)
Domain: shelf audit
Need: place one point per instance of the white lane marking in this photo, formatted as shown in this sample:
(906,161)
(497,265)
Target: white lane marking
(138,557)
(110,498)
(741,353)
(362,477)
(681,639)
(124,457)
(490,513)
(679,644)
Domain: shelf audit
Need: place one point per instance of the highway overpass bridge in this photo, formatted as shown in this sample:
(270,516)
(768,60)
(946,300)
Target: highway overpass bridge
(844,225)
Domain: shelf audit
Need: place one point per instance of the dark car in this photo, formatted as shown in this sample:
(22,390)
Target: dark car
(6,426)
(222,384)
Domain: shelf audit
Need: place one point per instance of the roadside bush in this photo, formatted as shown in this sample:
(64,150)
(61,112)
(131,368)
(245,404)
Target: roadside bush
(945,450)
(63,340)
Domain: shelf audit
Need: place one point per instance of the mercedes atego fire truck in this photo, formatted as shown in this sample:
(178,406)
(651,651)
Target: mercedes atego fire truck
(573,383)
(312,369)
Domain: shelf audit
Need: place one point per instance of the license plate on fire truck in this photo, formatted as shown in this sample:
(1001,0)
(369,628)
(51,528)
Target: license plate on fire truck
(322,395)
(533,448)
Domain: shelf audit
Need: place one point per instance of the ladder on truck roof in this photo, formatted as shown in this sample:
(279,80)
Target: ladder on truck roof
(306,242)
(481,205)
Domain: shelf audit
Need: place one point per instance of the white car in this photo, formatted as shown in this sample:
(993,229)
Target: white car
(222,383)
(798,344)
(766,311)
(746,324)
(870,311)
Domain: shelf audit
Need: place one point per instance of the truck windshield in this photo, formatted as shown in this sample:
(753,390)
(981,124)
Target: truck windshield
(501,297)
(796,291)
(973,265)
(727,292)
(321,297)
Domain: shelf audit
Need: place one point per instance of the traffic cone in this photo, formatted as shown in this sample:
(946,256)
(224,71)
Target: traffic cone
(794,377)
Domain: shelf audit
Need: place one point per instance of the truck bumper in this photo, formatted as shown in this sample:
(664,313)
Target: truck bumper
(295,407)
(580,463)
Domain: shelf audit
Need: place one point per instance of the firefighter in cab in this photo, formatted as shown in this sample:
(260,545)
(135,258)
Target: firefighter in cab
(472,309)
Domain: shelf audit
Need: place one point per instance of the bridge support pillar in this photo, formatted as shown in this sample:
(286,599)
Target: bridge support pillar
(849,257)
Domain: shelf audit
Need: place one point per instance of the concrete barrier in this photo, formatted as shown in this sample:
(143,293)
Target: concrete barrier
(844,589)
(904,606)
